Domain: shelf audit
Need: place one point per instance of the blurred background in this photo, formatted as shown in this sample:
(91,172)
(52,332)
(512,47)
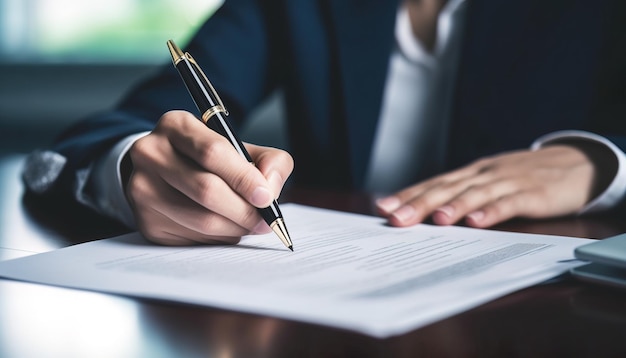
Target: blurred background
(63,59)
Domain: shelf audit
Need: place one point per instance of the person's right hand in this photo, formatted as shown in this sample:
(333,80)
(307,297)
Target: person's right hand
(189,185)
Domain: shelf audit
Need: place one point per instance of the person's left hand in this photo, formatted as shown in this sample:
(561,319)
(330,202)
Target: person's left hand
(553,181)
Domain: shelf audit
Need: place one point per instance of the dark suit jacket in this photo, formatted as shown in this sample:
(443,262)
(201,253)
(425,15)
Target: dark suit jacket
(527,68)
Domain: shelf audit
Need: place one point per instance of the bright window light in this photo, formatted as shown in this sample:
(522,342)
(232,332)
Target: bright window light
(100,31)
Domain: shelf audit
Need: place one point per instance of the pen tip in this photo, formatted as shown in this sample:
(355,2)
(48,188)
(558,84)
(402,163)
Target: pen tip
(281,231)
(175,51)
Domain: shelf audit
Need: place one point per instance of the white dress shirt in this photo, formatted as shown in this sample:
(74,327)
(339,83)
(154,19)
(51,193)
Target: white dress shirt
(410,140)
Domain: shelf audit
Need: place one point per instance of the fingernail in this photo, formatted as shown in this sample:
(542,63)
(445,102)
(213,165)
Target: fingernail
(388,204)
(261,228)
(476,216)
(276,183)
(404,213)
(447,210)
(261,197)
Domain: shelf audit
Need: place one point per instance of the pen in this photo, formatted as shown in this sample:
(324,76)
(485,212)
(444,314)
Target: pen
(212,112)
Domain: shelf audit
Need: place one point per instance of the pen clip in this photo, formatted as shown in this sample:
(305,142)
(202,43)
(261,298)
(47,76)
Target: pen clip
(220,105)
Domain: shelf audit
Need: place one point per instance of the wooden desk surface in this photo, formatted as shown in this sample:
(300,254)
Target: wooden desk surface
(564,318)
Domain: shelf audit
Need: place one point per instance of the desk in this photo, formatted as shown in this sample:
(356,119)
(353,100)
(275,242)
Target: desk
(564,318)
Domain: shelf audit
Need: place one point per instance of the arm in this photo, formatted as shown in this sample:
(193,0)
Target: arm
(563,174)
(609,160)
(563,177)
(233,46)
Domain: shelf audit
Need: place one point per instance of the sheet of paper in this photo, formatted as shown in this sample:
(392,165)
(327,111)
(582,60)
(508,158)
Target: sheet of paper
(349,271)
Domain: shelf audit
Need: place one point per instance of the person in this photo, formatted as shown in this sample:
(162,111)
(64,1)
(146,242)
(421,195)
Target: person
(472,111)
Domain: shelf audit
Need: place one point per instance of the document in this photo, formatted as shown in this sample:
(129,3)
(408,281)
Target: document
(349,271)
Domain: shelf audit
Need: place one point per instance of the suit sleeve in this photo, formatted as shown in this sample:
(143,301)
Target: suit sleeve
(233,50)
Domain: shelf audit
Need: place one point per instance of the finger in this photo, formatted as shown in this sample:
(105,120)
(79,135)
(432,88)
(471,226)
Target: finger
(162,230)
(210,192)
(418,208)
(523,203)
(215,154)
(150,195)
(472,199)
(275,164)
(153,158)
(386,206)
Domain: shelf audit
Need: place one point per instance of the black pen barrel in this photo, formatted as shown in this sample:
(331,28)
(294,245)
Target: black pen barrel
(212,112)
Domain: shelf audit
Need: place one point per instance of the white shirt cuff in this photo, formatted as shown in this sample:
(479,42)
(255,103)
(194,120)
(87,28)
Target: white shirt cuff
(105,182)
(616,190)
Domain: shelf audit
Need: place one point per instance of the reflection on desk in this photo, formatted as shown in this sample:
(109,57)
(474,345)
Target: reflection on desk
(29,226)
(18,237)
(564,318)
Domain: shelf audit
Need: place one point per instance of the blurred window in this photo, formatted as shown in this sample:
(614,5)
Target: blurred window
(96,31)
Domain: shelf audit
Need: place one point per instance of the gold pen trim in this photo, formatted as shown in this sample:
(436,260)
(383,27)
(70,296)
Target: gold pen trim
(175,52)
(213,111)
(278,226)
(220,105)
(177,56)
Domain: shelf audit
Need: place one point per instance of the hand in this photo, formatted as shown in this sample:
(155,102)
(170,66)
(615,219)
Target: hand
(189,185)
(553,181)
